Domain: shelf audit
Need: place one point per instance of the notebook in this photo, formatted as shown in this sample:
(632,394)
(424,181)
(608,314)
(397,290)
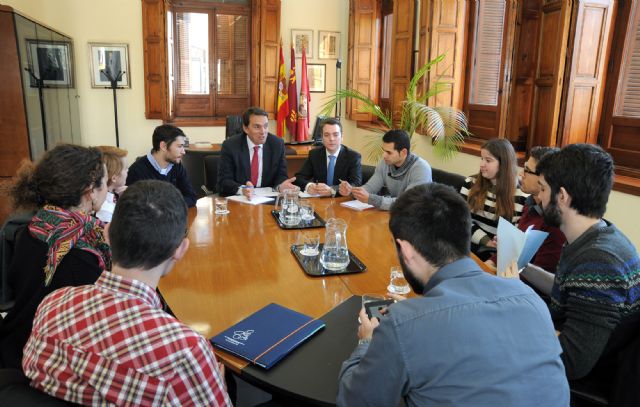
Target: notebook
(267,335)
(356,205)
(514,244)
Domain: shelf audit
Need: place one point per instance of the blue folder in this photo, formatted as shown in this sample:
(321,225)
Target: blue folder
(267,335)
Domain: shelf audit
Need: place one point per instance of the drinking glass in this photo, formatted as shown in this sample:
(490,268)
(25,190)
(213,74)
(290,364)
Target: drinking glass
(306,211)
(311,244)
(221,205)
(398,284)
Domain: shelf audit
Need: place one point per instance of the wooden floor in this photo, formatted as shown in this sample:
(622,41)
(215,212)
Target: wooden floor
(5,200)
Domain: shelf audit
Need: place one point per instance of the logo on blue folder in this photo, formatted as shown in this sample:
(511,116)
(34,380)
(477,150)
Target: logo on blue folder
(242,335)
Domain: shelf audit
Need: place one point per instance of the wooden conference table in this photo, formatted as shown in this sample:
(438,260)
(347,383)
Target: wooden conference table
(240,262)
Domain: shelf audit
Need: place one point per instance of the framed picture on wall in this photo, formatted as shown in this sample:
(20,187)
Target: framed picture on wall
(300,39)
(317,74)
(109,61)
(50,61)
(328,45)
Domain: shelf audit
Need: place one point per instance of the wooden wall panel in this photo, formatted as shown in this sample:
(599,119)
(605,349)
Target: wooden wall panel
(552,48)
(401,53)
(155,59)
(588,52)
(363,55)
(269,57)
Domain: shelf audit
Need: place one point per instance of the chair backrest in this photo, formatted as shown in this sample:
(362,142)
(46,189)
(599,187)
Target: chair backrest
(233,126)
(8,235)
(211,172)
(15,391)
(317,130)
(448,178)
(367,172)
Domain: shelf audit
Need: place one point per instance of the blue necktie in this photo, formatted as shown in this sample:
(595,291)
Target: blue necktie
(332,166)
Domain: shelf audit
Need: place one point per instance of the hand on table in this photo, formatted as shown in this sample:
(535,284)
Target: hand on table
(287,184)
(319,189)
(360,194)
(248,190)
(345,188)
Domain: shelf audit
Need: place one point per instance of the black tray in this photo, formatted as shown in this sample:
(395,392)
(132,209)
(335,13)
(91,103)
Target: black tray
(311,264)
(317,222)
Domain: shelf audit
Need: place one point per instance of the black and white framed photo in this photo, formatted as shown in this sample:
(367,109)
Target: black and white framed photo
(328,45)
(52,62)
(109,61)
(317,74)
(302,38)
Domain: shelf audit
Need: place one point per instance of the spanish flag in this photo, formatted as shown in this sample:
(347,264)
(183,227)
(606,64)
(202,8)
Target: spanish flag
(283,101)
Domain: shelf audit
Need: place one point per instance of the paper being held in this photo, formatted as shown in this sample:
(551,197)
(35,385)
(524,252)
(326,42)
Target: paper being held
(514,244)
(255,200)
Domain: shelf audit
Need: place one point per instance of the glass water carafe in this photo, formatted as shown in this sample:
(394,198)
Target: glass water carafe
(335,253)
(288,207)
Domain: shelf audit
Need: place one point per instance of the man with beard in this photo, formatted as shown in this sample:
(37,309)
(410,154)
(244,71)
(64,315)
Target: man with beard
(595,293)
(163,162)
(470,339)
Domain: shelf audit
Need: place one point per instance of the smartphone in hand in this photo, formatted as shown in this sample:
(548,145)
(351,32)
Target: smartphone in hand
(374,308)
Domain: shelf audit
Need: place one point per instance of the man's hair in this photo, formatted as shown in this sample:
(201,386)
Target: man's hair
(586,173)
(435,219)
(332,121)
(399,138)
(166,133)
(253,111)
(148,224)
(538,152)
(112,158)
(60,177)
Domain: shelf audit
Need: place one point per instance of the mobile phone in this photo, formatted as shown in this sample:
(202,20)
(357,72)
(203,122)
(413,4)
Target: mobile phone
(373,308)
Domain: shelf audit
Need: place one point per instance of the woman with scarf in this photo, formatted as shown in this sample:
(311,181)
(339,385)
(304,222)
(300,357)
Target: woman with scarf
(62,245)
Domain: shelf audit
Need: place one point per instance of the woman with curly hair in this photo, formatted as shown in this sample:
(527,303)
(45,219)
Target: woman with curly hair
(62,245)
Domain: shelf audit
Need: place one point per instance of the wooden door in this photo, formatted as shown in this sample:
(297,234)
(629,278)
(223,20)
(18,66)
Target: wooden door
(489,63)
(588,52)
(443,31)
(269,17)
(621,122)
(401,54)
(552,49)
(362,62)
(155,59)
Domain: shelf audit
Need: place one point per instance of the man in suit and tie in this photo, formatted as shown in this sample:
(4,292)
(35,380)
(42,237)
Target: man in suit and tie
(254,158)
(327,166)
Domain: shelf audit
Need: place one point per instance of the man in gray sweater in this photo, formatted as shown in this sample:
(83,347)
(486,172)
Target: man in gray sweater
(398,171)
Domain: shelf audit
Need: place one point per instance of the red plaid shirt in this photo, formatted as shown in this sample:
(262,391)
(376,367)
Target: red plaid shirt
(112,343)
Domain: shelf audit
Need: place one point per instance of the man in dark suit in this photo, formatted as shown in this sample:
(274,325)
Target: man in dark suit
(254,158)
(327,166)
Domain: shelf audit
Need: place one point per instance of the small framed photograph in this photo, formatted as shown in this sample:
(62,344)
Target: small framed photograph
(328,45)
(300,39)
(109,61)
(317,74)
(50,61)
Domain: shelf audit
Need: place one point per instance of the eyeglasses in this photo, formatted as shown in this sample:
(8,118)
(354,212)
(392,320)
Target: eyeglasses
(528,171)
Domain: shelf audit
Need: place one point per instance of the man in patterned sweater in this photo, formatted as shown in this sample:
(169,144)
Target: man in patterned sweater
(595,292)
(111,342)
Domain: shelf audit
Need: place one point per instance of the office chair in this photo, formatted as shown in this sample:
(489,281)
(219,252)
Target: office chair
(15,391)
(317,130)
(233,126)
(211,173)
(367,172)
(8,234)
(448,178)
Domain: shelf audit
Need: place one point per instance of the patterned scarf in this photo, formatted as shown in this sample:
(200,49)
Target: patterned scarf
(63,230)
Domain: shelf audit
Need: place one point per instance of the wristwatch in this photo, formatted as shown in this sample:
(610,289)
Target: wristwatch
(363,341)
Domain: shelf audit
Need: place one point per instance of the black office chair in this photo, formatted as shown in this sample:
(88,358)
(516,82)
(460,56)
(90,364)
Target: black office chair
(317,130)
(15,391)
(448,178)
(367,172)
(8,235)
(233,126)
(211,172)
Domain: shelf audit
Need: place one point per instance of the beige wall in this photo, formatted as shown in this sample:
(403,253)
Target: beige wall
(120,21)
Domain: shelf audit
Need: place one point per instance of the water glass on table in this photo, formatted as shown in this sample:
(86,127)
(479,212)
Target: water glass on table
(398,284)
(220,205)
(306,211)
(311,243)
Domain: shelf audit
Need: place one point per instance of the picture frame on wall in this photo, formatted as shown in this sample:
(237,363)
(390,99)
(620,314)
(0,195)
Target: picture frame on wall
(300,38)
(111,58)
(328,45)
(317,75)
(50,61)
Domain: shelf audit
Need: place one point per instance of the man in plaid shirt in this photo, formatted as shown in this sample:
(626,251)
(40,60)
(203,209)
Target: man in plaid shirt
(111,343)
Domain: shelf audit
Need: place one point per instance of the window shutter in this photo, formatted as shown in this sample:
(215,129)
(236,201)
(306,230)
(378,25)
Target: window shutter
(153,35)
(629,105)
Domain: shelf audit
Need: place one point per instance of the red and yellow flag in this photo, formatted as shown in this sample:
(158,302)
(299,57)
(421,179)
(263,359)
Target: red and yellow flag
(305,99)
(292,117)
(283,101)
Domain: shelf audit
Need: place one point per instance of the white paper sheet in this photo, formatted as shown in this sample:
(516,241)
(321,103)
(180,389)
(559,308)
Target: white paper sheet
(255,200)
(514,244)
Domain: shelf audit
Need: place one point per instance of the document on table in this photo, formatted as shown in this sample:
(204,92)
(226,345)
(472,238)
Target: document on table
(264,191)
(514,244)
(308,195)
(255,200)
(356,205)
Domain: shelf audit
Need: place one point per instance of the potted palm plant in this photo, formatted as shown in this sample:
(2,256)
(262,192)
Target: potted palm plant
(447,126)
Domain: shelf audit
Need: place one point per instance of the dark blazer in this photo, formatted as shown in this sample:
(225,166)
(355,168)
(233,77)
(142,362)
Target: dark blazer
(314,169)
(234,168)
